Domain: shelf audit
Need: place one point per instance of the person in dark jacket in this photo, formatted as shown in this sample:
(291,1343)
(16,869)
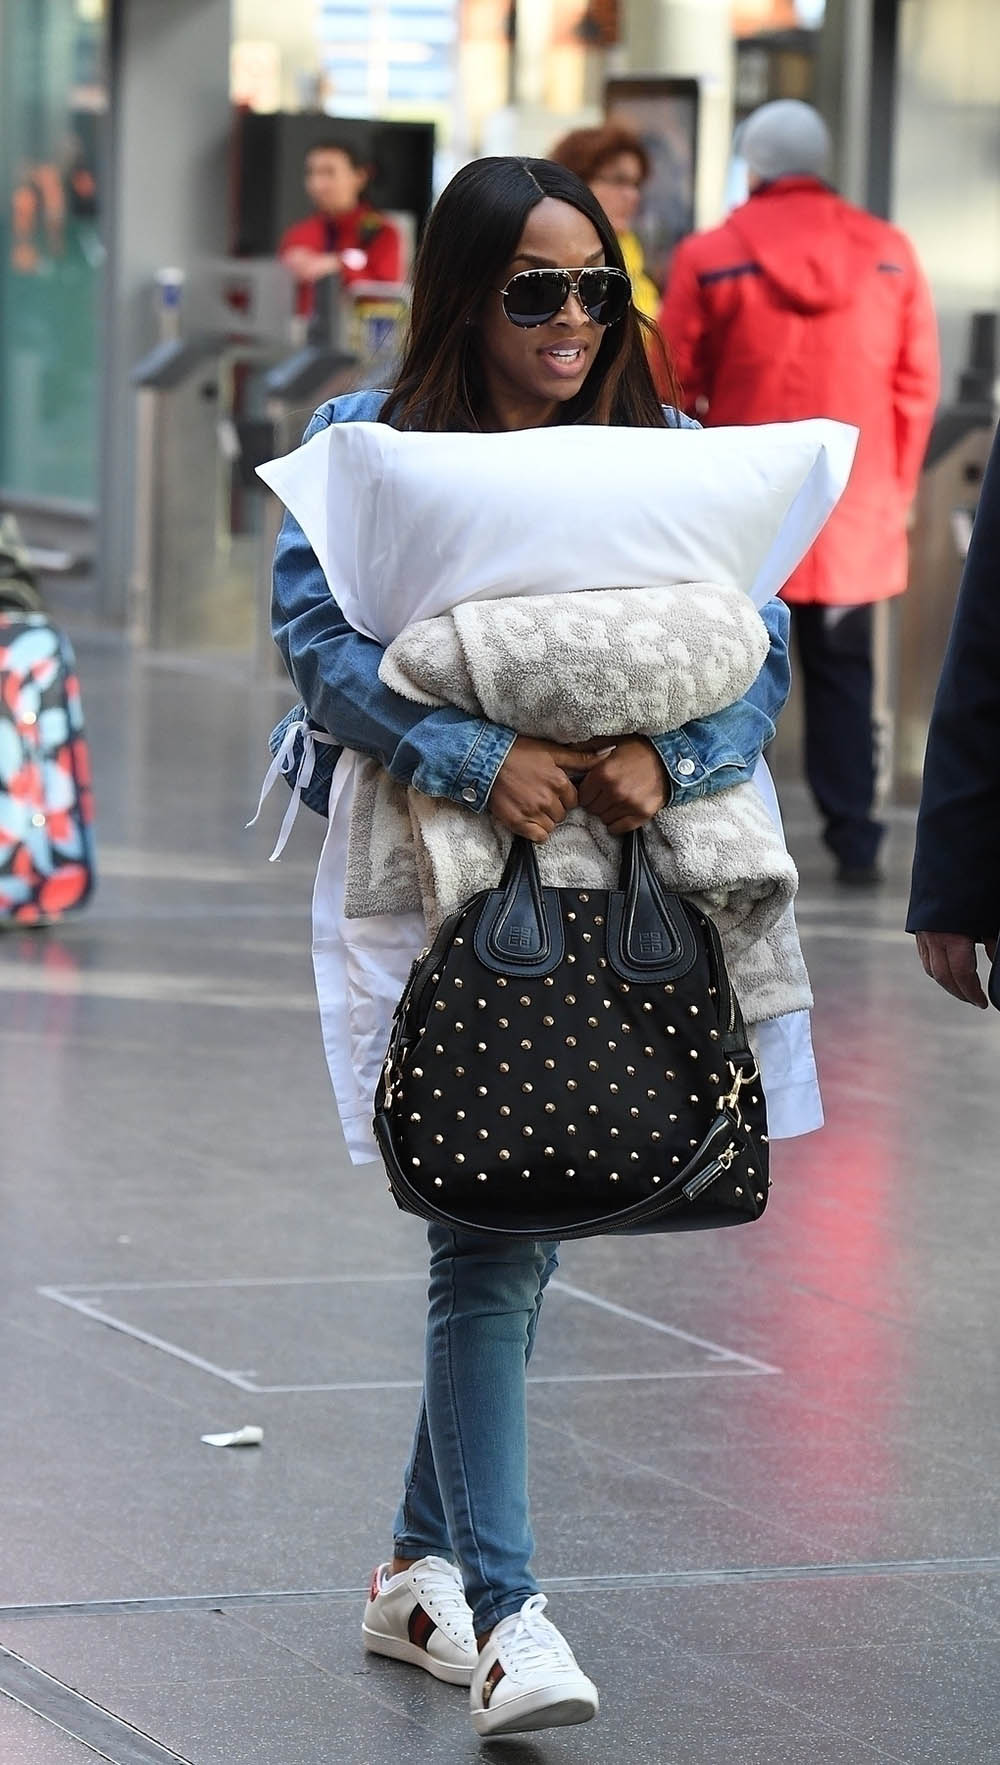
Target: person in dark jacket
(955,896)
(801,305)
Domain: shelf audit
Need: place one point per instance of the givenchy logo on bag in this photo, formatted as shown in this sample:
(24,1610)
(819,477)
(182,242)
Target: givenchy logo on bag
(517,937)
(651,943)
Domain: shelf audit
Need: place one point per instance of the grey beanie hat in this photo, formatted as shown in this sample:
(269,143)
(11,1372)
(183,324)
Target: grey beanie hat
(784,137)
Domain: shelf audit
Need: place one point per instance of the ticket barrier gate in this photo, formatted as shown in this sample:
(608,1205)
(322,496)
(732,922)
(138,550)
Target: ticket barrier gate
(366,324)
(176,489)
(210,407)
(217,329)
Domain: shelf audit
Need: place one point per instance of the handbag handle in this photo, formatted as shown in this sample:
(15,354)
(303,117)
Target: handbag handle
(649,936)
(520,931)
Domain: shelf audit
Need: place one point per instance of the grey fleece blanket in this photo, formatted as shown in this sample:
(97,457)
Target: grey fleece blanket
(578,668)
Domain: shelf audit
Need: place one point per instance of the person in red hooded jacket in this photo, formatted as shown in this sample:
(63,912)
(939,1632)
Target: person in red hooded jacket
(802,305)
(344,236)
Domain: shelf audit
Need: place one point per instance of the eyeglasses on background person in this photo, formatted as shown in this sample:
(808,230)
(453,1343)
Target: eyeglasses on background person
(613,162)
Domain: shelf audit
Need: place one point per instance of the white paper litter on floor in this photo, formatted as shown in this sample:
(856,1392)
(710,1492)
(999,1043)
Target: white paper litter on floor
(247,1436)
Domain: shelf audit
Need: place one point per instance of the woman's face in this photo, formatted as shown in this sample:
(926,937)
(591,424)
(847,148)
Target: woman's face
(617,187)
(529,373)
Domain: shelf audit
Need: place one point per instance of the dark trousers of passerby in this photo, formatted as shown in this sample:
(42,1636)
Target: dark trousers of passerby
(834,646)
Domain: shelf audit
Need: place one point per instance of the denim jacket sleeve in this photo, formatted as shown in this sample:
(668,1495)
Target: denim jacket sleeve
(712,753)
(444,753)
(447,752)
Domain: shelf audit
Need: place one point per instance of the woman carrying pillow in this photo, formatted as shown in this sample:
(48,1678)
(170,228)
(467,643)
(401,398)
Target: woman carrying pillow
(522,317)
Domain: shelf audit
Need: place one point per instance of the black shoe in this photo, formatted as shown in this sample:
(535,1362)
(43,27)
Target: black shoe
(860,876)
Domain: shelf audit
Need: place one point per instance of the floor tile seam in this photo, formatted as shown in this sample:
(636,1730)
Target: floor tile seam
(958,1647)
(872,1431)
(839,1732)
(876,1433)
(716,1499)
(42,1693)
(898,1758)
(722,1671)
(50,1722)
(778,1521)
(942,1331)
(847,1412)
(991,1626)
(152,1571)
(680,1580)
(76,1354)
(348,1681)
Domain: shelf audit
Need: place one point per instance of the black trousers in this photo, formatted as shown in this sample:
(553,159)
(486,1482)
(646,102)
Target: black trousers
(834,646)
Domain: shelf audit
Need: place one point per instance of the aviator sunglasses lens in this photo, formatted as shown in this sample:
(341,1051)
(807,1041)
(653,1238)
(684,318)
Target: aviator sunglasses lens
(604,295)
(532,297)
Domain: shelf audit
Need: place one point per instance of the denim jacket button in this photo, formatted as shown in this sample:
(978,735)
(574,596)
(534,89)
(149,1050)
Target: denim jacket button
(469,794)
(685,768)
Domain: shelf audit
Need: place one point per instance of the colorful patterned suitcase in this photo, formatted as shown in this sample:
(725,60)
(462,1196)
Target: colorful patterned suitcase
(46,808)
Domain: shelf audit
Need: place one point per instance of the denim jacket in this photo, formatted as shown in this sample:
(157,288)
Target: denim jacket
(449,752)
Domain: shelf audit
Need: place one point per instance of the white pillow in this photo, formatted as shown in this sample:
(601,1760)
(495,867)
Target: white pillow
(408,525)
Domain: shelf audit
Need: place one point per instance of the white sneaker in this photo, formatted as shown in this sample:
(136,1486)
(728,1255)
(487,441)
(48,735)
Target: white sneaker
(421,1616)
(527,1677)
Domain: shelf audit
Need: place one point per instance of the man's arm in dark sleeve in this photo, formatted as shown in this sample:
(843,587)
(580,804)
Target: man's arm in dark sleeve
(956,871)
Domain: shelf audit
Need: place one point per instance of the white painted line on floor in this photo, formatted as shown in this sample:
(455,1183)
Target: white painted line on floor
(87,1300)
(637,1317)
(855,934)
(147,989)
(234,1281)
(88,1310)
(184,867)
(717,1372)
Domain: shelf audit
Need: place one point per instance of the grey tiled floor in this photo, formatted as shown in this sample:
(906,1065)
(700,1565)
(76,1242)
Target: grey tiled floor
(787,1553)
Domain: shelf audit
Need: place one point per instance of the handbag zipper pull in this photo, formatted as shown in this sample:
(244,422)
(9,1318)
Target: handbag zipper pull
(699,1183)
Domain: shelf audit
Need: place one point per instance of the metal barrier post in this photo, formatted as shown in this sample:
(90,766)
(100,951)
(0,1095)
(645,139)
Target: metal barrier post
(177,489)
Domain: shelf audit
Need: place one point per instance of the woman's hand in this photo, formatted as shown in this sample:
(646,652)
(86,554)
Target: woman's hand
(532,791)
(626,788)
(312,266)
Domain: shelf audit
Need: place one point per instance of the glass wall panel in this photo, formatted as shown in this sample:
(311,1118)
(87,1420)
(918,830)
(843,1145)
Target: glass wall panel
(53,102)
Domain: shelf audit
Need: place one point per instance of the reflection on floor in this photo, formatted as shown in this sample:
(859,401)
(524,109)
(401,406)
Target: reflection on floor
(764,1465)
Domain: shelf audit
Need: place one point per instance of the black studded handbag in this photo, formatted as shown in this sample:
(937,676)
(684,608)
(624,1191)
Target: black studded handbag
(570,1062)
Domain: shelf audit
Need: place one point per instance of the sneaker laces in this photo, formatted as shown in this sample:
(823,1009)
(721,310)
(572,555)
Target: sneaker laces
(534,1643)
(441,1582)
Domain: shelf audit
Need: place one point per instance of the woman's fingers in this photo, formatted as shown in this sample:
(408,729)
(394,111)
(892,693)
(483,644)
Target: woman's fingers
(532,788)
(576,759)
(629,785)
(566,791)
(533,791)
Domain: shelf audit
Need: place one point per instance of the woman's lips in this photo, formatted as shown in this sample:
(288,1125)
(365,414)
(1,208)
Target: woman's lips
(564,359)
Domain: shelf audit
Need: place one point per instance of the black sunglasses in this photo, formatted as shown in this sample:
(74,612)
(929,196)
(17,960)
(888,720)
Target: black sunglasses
(533,297)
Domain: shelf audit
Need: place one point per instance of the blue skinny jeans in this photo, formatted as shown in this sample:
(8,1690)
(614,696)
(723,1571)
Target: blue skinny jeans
(466,1489)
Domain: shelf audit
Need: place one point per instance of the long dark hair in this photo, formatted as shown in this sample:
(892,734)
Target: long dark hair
(472,234)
